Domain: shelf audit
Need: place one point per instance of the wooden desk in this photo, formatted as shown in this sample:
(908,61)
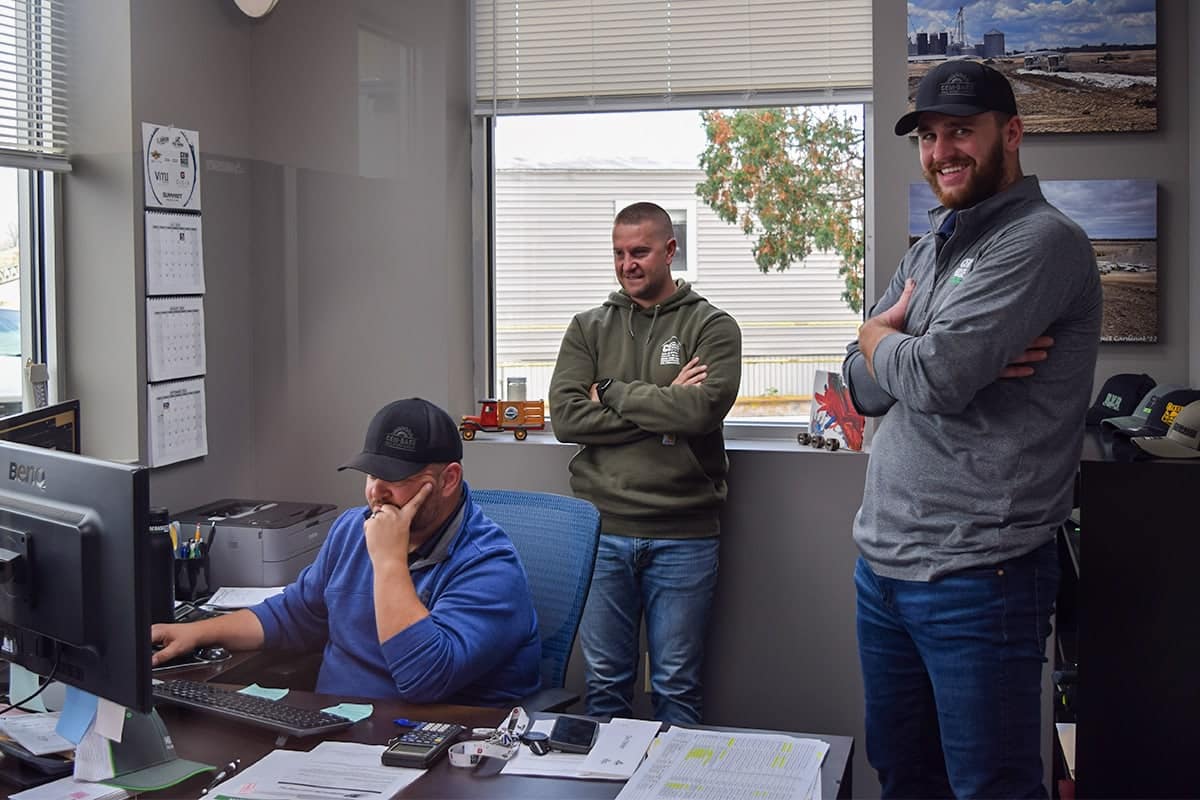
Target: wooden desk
(213,740)
(207,738)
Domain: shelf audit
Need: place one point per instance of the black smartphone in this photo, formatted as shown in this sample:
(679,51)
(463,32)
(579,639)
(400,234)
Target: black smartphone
(573,734)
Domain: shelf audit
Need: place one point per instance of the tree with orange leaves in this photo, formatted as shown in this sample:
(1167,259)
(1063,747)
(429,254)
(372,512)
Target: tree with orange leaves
(794,178)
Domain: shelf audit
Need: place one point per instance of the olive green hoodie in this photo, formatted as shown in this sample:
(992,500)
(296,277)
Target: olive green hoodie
(652,457)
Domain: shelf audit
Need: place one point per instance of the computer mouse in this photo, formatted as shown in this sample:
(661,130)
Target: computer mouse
(212,653)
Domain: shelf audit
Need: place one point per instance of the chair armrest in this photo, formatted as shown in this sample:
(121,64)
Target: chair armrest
(550,700)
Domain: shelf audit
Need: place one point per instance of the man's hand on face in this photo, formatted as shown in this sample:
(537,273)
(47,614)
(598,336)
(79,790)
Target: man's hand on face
(389,527)
(692,374)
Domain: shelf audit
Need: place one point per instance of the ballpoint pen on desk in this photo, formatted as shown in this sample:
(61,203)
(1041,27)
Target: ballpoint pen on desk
(222,776)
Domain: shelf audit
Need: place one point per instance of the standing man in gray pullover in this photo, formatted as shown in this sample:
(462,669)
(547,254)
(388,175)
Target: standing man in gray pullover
(972,464)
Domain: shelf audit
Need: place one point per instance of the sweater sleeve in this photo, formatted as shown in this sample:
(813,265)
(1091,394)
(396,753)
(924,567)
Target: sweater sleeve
(865,392)
(573,414)
(298,619)
(478,620)
(687,410)
(1014,292)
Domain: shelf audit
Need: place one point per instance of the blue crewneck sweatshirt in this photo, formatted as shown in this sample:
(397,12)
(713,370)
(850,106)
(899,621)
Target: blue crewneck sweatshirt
(478,646)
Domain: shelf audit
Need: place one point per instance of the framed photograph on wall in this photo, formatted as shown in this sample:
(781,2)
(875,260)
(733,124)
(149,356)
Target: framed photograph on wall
(1079,67)
(1120,218)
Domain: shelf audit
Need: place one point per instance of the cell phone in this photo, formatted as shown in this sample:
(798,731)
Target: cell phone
(421,746)
(573,734)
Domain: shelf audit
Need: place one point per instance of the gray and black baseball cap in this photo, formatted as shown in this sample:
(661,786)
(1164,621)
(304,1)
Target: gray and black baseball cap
(1138,418)
(404,437)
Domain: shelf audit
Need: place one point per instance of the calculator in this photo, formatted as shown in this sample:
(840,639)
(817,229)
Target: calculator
(421,746)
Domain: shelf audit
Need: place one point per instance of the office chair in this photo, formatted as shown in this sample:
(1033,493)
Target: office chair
(556,538)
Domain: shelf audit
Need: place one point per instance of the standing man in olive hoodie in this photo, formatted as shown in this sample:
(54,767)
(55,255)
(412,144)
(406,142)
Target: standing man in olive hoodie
(642,384)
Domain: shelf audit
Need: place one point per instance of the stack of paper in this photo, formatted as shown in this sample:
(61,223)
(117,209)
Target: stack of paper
(228,597)
(70,789)
(618,750)
(35,732)
(329,770)
(710,765)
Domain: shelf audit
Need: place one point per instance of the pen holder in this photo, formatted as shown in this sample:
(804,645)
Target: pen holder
(191,572)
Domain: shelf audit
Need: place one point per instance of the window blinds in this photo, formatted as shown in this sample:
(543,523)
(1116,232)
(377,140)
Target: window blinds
(529,52)
(33,91)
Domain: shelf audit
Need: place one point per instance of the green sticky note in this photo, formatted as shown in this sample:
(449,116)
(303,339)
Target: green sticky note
(260,691)
(351,711)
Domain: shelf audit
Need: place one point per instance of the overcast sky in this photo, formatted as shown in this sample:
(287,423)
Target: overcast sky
(1117,209)
(1040,24)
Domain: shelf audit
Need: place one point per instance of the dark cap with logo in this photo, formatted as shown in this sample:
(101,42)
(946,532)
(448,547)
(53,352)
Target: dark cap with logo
(404,437)
(960,88)
(1163,412)
(1119,396)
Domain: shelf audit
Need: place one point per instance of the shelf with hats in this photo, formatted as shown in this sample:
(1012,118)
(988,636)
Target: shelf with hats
(1126,619)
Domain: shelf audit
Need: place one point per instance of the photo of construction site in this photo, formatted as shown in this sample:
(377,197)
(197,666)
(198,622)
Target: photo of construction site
(1079,67)
(1120,218)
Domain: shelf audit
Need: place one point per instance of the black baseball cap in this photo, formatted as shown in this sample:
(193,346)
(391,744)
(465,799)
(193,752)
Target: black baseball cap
(404,437)
(1119,396)
(960,88)
(1162,414)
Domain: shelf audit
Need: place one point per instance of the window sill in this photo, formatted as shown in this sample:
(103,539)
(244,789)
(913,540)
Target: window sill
(733,443)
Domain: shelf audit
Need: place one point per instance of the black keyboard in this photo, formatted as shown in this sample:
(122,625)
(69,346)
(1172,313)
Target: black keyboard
(264,713)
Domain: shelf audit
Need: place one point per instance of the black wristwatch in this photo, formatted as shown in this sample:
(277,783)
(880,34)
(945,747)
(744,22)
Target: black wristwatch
(602,387)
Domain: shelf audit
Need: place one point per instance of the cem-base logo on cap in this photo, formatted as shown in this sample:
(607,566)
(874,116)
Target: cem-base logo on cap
(401,438)
(1182,439)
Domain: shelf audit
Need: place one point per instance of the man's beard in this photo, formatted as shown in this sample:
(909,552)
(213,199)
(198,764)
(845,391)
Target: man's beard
(986,181)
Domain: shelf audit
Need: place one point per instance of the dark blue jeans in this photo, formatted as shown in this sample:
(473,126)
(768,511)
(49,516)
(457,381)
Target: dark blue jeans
(952,671)
(673,581)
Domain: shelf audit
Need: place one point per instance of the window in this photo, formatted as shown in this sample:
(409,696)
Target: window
(576,128)
(554,177)
(33,145)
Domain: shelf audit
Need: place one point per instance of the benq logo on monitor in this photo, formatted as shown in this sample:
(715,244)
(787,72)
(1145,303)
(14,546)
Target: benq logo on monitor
(25,473)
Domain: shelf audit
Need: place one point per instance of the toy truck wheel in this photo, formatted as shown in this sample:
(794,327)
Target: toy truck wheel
(818,442)
(832,445)
(468,434)
(519,434)
(803,438)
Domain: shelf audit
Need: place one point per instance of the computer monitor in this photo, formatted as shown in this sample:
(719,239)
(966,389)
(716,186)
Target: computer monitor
(55,426)
(73,571)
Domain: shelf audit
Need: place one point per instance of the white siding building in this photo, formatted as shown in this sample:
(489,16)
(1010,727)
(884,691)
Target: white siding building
(554,259)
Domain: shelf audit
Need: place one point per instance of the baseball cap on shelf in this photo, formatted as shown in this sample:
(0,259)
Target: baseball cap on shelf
(960,88)
(1162,414)
(404,437)
(1182,439)
(1119,396)
(1138,418)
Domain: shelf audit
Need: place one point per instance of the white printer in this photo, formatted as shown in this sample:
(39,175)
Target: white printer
(257,542)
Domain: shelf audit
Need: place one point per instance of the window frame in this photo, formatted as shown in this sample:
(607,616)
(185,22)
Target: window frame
(484,215)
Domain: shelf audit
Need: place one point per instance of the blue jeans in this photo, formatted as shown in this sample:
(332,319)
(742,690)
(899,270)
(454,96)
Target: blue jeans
(952,671)
(673,581)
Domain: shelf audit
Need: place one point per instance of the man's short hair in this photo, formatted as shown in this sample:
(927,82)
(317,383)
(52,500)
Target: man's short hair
(638,213)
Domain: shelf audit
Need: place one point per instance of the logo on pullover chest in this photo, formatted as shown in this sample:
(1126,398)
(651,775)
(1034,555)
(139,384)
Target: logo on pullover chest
(671,352)
(960,272)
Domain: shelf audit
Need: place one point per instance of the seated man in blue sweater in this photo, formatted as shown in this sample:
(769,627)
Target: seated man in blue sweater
(417,596)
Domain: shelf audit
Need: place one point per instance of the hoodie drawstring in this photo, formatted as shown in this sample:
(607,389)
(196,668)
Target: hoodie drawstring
(653,319)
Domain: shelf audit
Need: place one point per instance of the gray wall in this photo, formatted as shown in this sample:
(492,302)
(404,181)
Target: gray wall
(336,184)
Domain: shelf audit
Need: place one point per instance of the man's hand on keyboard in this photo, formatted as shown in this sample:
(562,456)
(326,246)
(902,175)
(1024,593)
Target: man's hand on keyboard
(176,639)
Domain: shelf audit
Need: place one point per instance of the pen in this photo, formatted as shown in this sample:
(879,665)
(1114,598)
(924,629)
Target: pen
(230,768)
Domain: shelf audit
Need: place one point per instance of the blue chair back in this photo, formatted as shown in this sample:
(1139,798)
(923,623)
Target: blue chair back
(556,538)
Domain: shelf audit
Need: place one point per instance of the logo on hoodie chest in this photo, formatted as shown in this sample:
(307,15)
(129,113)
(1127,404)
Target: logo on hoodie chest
(672,352)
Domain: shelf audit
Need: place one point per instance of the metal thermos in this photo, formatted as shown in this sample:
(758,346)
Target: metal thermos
(161,568)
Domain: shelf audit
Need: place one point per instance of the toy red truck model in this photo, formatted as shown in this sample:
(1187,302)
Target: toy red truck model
(518,416)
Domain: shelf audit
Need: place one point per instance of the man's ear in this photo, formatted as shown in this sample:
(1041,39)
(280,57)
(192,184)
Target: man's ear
(1014,132)
(452,478)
